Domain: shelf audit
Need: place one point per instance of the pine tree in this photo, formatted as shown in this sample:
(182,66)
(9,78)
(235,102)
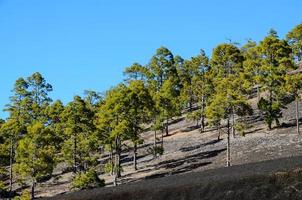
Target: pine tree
(112,122)
(26,111)
(294,38)
(164,84)
(11,131)
(275,61)
(293,87)
(35,155)
(226,62)
(80,139)
(251,65)
(228,98)
(138,105)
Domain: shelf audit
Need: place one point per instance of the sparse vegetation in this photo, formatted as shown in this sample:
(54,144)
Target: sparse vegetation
(39,134)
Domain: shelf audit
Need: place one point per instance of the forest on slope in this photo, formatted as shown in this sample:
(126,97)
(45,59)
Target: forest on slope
(212,91)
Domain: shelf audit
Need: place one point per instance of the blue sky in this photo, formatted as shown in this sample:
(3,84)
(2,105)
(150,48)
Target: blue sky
(86,44)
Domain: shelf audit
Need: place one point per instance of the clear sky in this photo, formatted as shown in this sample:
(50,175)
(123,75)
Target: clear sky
(86,44)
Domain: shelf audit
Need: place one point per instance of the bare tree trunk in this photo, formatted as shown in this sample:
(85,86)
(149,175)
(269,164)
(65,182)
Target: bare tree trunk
(277,122)
(33,189)
(154,144)
(117,158)
(167,127)
(258,94)
(233,123)
(202,113)
(74,153)
(11,168)
(115,181)
(297,116)
(191,105)
(135,156)
(218,129)
(117,172)
(228,144)
(111,160)
(155,139)
(162,139)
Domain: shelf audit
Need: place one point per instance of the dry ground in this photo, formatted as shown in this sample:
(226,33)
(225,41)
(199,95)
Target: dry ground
(189,150)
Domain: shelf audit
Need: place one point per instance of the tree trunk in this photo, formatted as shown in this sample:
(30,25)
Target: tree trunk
(117,167)
(117,158)
(74,153)
(233,123)
(270,126)
(167,127)
(111,160)
(202,113)
(297,115)
(228,144)
(33,189)
(190,104)
(218,129)
(155,142)
(258,94)
(115,181)
(135,157)
(11,168)
(162,139)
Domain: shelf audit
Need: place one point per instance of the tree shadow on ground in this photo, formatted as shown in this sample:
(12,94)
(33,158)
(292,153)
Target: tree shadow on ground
(190,128)
(253,131)
(188,160)
(129,158)
(175,121)
(179,170)
(291,123)
(143,170)
(191,148)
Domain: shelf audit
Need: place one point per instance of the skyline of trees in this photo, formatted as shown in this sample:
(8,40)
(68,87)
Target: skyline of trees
(213,91)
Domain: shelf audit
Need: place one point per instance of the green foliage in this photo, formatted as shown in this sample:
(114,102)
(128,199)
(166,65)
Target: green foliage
(294,38)
(2,187)
(275,61)
(24,196)
(194,116)
(251,65)
(80,138)
(2,184)
(136,72)
(108,167)
(271,111)
(193,80)
(35,155)
(241,128)
(87,180)
(156,150)
(226,59)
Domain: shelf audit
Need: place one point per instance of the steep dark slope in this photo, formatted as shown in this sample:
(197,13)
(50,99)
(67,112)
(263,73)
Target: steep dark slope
(276,179)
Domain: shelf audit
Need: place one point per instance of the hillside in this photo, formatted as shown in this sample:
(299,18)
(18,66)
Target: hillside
(277,179)
(188,150)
